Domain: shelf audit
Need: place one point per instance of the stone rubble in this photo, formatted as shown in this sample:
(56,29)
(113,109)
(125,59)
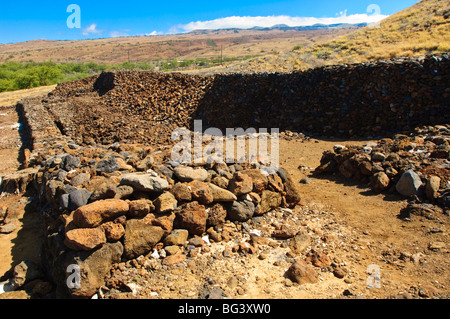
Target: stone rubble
(150,217)
(415,166)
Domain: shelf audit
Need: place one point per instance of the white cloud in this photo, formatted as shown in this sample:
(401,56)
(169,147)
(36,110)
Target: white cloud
(153,33)
(92,29)
(248,22)
(149,34)
(117,34)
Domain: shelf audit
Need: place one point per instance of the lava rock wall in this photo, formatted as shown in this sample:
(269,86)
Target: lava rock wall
(362,100)
(373,99)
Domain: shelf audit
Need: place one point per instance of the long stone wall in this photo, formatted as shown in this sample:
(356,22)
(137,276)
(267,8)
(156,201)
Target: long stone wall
(369,99)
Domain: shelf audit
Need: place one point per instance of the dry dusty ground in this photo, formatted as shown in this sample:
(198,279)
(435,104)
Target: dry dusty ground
(353,225)
(20,243)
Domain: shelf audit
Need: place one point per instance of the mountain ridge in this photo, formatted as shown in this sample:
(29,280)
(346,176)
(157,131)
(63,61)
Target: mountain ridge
(422,29)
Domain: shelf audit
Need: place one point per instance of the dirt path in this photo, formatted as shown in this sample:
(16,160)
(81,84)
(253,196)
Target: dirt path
(21,243)
(355,202)
(379,236)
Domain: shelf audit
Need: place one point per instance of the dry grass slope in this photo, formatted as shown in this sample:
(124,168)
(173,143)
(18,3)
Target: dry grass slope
(157,49)
(421,29)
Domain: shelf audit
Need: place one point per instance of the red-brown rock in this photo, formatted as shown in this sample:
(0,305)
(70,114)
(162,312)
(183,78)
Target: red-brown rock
(302,273)
(192,217)
(96,213)
(240,184)
(85,238)
(113,231)
(201,192)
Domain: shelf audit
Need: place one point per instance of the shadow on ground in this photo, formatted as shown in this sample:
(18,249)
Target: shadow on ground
(388,195)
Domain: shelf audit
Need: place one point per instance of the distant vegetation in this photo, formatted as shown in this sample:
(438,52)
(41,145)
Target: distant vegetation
(21,75)
(18,76)
(172,65)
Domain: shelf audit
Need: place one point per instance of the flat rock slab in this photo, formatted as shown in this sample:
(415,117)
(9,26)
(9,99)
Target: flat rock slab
(145,182)
(189,174)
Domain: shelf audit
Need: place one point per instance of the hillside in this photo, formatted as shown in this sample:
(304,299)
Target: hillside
(421,29)
(202,44)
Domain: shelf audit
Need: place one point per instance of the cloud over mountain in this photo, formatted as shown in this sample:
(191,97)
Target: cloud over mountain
(247,22)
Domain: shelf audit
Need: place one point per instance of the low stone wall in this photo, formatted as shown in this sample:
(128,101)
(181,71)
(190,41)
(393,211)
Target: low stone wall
(112,205)
(102,205)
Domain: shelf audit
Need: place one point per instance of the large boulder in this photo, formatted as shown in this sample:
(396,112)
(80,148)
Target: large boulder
(201,192)
(181,192)
(77,198)
(189,174)
(216,215)
(108,165)
(269,200)
(192,216)
(177,237)
(69,162)
(220,194)
(292,193)
(379,181)
(140,208)
(260,180)
(140,238)
(241,210)
(165,203)
(302,273)
(432,187)
(96,213)
(25,272)
(85,238)
(79,274)
(409,183)
(241,184)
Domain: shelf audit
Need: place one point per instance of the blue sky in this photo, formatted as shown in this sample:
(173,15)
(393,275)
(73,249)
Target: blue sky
(102,19)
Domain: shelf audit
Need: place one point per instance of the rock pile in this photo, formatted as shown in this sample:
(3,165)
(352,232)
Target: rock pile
(106,205)
(415,166)
(126,106)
